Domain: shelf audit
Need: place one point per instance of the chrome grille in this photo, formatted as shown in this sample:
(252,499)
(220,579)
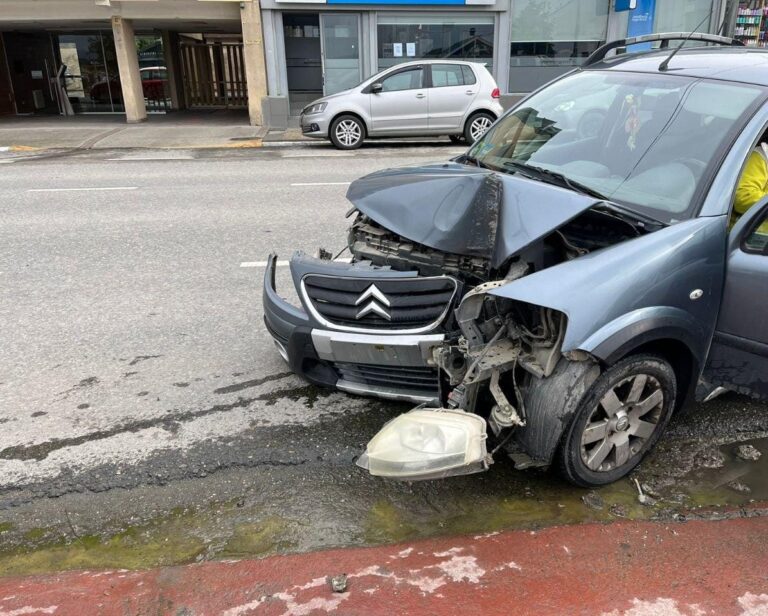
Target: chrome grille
(402,304)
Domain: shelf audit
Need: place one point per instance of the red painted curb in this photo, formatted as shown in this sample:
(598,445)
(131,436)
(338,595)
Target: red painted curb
(621,569)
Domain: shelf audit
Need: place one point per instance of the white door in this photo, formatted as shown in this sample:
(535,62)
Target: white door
(454,87)
(401,103)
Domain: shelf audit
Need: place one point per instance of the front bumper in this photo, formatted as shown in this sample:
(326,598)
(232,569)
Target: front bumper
(395,367)
(314,125)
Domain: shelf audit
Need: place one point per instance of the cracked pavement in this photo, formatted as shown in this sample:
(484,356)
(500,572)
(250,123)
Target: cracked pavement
(137,376)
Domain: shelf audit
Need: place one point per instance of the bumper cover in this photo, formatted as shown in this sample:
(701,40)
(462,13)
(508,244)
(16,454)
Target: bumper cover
(395,367)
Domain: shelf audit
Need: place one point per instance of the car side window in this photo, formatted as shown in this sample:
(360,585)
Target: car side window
(756,241)
(405,80)
(446,75)
(469,75)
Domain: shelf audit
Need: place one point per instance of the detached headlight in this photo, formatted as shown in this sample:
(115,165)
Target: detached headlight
(315,108)
(428,444)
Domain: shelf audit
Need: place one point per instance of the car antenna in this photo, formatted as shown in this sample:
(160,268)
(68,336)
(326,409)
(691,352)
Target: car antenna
(665,64)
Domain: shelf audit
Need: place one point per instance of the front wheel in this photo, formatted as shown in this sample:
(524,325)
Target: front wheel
(477,125)
(347,132)
(618,421)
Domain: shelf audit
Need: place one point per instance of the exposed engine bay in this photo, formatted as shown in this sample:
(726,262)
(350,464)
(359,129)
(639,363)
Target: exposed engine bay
(496,349)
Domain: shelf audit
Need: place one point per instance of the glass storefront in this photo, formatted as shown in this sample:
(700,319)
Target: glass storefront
(406,37)
(92,79)
(550,38)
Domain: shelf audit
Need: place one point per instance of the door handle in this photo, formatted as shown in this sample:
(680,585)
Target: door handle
(469,92)
(420,95)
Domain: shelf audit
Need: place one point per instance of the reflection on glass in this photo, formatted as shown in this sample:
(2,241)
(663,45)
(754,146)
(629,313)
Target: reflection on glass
(644,140)
(550,38)
(412,38)
(92,78)
(341,51)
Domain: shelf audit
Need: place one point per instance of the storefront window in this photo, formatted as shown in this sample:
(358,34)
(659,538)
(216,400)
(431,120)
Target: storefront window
(402,38)
(92,78)
(550,38)
(681,16)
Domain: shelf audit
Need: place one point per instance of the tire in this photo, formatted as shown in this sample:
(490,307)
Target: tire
(456,138)
(619,427)
(347,132)
(476,126)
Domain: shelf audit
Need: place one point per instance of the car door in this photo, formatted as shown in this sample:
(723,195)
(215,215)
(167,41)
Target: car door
(738,358)
(400,105)
(454,87)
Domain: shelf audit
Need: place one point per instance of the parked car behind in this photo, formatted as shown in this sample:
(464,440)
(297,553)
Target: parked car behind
(414,99)
(154,83)
(557,292)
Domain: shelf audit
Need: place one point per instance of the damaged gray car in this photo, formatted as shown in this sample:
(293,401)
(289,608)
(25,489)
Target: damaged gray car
(555,294)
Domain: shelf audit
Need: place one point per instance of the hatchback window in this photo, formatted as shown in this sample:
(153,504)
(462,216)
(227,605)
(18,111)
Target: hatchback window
(469,75)
(444,75)
(405,80)
(647,141)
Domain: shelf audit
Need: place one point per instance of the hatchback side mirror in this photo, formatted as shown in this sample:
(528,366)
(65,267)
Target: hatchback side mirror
(376,88)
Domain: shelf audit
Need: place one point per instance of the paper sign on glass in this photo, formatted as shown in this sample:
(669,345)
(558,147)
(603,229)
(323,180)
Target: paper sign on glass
(397,50)
(410,49)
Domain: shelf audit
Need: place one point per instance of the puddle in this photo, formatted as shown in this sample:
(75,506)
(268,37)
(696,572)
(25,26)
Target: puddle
(736,482)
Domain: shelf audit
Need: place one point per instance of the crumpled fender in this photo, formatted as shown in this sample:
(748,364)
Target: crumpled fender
(636,291)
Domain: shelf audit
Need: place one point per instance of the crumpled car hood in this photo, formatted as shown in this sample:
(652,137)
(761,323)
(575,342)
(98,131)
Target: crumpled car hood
(465,210)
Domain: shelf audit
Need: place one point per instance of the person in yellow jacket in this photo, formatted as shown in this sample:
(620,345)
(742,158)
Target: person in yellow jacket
(753,184)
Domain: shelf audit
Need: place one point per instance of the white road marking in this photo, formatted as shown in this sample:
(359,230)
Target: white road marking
(150,158)
(283,263)
(82,189)
(321,184)
(316,154)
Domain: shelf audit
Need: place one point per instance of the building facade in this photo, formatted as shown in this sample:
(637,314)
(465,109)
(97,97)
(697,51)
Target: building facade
(275,56)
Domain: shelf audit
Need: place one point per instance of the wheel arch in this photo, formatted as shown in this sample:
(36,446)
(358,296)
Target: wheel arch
(357,115)
(670,346)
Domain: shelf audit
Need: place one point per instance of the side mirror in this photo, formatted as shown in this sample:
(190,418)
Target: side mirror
(376,88)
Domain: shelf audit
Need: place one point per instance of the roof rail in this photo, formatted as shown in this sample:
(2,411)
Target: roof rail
(664,37)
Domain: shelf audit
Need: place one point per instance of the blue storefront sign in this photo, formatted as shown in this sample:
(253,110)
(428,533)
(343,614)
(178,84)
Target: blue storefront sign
(641,21)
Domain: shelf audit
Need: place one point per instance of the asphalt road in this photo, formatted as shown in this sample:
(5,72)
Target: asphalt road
(137,377)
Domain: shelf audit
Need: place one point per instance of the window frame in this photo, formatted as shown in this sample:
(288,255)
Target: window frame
(457,65)
(760,219)
(426,80)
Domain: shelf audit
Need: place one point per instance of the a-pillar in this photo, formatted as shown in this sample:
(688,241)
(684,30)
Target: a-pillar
(128,65)
(253,52)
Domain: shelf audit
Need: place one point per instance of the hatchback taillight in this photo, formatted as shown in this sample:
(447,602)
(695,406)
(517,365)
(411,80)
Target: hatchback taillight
(495,93)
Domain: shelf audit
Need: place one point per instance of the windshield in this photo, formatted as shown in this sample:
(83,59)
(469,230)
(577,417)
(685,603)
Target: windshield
(644,141)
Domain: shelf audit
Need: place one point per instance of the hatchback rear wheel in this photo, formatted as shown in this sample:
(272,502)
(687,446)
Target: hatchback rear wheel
(619,420)
(477,125)
(347,132)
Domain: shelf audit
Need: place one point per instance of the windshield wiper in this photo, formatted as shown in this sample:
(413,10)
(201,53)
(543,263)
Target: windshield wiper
(466,158)
(553,177)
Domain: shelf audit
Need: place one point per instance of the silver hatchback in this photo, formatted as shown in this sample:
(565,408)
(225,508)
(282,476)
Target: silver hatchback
(415,99)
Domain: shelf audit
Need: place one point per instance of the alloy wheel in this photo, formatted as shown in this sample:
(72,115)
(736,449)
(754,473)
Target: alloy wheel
(622,422)
(479,126)
(348,132)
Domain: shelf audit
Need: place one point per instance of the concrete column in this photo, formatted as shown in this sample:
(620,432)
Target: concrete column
(128,65)
(171,54)
(253,53)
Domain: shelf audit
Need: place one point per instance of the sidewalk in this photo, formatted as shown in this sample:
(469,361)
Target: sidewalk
(187,130)
(621,569)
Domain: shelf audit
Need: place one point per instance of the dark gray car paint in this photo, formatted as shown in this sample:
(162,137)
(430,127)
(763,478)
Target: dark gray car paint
(738,359)
(636,291)
(453,208)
